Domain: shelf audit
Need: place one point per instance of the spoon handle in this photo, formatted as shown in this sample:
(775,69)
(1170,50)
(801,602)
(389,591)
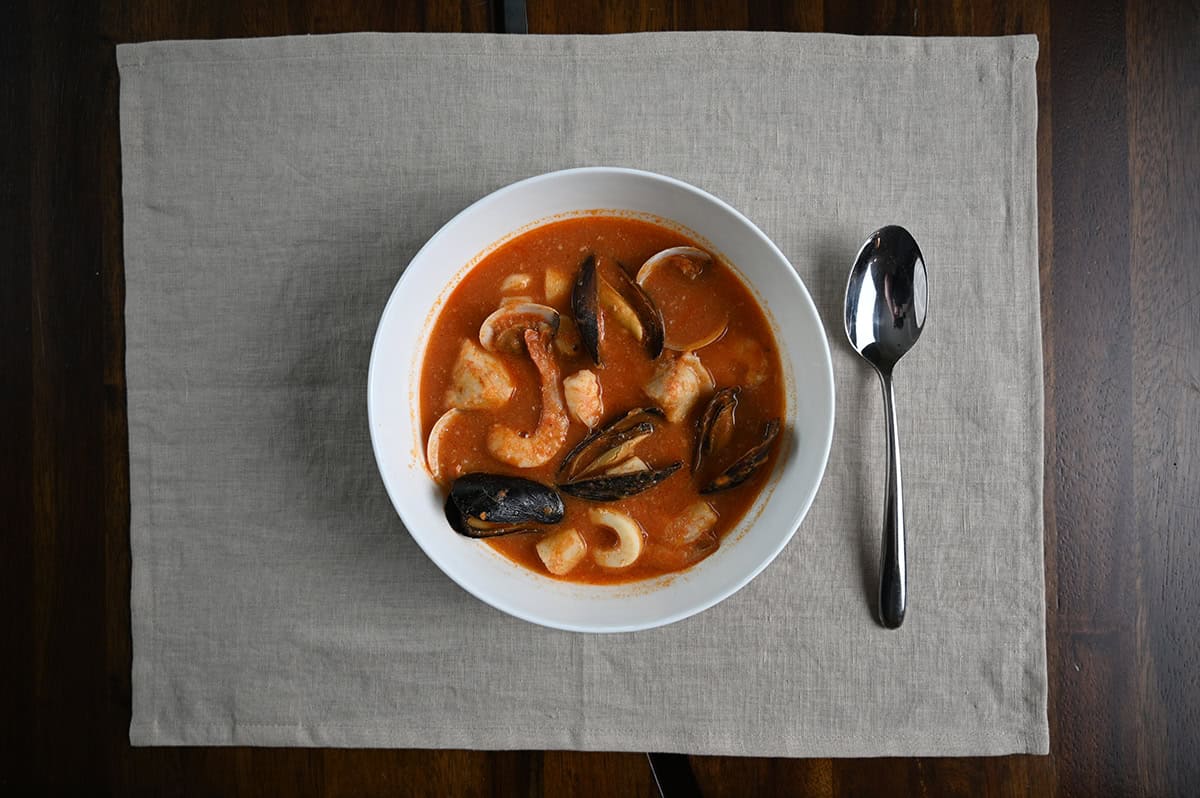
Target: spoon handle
(893,587)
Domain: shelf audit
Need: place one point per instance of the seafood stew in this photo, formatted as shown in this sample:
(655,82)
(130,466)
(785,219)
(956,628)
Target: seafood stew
(601,400)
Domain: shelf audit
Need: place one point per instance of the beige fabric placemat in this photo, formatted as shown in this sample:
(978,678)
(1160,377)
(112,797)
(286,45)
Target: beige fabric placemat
(274,191)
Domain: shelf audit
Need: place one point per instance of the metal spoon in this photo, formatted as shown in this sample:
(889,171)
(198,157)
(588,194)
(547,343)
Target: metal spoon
(885,313)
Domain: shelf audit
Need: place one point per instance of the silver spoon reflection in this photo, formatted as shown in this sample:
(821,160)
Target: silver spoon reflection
(885,313)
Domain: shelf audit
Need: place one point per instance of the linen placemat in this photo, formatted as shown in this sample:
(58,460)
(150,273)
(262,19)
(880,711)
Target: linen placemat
(275,189)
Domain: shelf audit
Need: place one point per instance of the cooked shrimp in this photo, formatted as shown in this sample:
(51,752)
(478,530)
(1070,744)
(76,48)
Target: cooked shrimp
(528,450)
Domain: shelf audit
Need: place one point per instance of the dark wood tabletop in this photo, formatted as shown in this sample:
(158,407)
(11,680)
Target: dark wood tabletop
(1119,231)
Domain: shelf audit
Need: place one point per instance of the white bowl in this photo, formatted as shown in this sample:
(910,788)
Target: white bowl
(392,400)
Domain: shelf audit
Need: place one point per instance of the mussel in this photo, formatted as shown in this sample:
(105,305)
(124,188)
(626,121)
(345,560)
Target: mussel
(490,505)
(585,307)
(611,487)
(748,464)
(716,425)
(603,467)
(643,307)
(632,305)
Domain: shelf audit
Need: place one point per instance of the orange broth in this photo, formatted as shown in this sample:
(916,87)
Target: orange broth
(746,355)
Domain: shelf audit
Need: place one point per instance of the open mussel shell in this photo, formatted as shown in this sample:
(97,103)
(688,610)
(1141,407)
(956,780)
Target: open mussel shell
(645,310)
(609,444)
(749,463)
(586,307)
(608,488)
(489,505)
(716,425)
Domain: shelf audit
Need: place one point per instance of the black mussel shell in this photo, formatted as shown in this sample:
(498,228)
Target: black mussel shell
(618,486)
(645,309)
(637,422)
(721,406)
(488,505)
(585,307)
(747,464)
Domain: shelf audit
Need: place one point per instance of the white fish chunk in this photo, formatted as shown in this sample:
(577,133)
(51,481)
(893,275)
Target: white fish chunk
(515,282)
(561,551)
(582,392)
(692,523)
(752,361)
(479,381)
(677,384)
(558,285)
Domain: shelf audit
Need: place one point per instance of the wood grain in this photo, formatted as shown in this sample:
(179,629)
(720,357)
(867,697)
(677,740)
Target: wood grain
(1119,204)
(16,398)
(68,610)
(1089,294)
(1163,118)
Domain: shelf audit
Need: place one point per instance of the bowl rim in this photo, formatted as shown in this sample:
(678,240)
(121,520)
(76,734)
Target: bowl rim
(801,508)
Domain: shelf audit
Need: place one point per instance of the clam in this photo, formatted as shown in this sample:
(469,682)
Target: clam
(503,330)
(671,276)
(748,464)
(433,448)
(490,505)
(603,467)
(689,260)
(615,291)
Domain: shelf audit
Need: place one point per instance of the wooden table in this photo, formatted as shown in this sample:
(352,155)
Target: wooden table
(1119,210)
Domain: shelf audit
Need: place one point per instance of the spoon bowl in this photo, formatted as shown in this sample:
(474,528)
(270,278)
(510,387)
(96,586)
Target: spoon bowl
(886,297)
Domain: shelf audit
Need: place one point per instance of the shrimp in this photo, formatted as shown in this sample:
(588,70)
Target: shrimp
(528,450)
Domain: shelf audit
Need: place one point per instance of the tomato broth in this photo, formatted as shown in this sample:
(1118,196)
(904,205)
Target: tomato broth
(713,309)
